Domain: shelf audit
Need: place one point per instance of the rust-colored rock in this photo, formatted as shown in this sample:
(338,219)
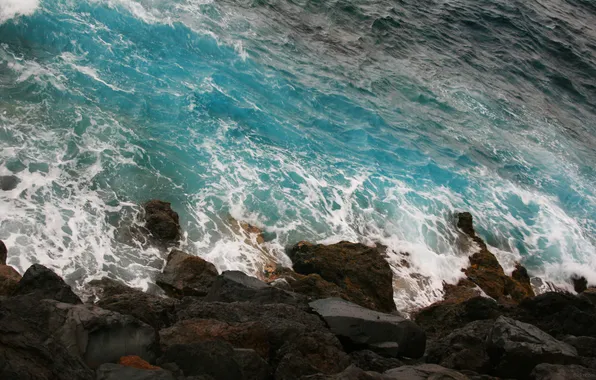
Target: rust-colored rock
(462,291)
(486,272)
(161,221)
(136,362)
(361,272)
(9,279)
(252,233)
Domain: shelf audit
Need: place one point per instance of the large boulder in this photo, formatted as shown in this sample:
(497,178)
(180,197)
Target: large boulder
(214,358)
(423,372)
(111,371)
(486,272)
(235,286)
(9,280)
(360,271)
(155,311)
(463,349)
(371,361)
(186,275)
(41,283)
(516,348)
(161,221)
(562,372)
(361,328)
(253,366)
(9,182)
(585,345)
(313,286)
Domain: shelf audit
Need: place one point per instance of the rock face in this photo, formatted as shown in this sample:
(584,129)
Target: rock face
(9,280)
(360,328)
(423,372)
(161,221)
(562,372)
(9,182)
(516,348)
(41,283)
(186,275)
(486,272)
(360,271)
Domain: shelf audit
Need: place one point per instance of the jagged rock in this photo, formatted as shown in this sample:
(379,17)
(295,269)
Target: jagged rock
(107,287)
(235,286)
(186,275)
(40,283)
(371,361)
(9,182)
(360,271)
(28,352)
(155,311)
(589,295)
(214,358)
(423,372)
(135,361)
(562,372)
(3,253)
(463,349)
(9,280)
(253,233)
(585,345)
(580,283)
(252,364)
(161,221)
(460,292)
(111,371)
(516,348)
(360,328)
(486,272)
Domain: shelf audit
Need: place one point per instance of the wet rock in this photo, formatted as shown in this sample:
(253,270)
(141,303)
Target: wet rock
(360,328)
(155,311)
(562,372)
(463,349)
(423,372)
(460,292)
(186,275)
(40,283)
(313,286)
(3,253)
(111,371)
(235,286)
(107,287)
(589,295)
(371,361)
(213,358)
(579,283)
(360,271)
(9,182)
(486,272)
(254,235)
(252,364)
(9,279)
(585,345)
(161,221)
(135,361)
(350,373)
(516,348)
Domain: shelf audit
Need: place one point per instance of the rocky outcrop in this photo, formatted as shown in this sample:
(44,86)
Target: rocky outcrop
(161,221)
(360,328)
(486,272)
(9,182)
(9,280)
(580,283)
(360,271)
(186,275)
(562,372)
(41,283)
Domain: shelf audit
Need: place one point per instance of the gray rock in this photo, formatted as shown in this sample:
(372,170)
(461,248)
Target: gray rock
(423,372)
(186,275)
(516,348)
(9,182)
(252,365)
(562,372)
(585,345)
(463,349)
(40,283)
(362,328)
(111,371)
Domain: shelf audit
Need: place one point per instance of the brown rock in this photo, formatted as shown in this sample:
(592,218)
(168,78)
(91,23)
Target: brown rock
(3,253)
(462,291)
(9,279)
(161,221)
(251,232)
(360,271)
(186,275)
(136,362)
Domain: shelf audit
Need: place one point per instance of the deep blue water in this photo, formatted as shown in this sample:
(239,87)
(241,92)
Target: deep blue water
(368,121)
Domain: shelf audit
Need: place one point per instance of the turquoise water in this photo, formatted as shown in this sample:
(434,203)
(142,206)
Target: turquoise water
(323,121)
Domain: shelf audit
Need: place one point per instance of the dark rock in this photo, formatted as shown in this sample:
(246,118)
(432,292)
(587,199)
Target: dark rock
(423,372)
(580,283)
(360,328)
(214,358)
(3,253)
(111,371)
(252,364)
(460,292)
(186,275)
(9,182)
(516,348)
(463,349)
(589,295)
(562,372)
(107,287)
(27,352)
(360,271)
(155,311)
(350,373)
(161,221)
(41,283)
(9,280)
(371,361)
(235,286)
(585,345)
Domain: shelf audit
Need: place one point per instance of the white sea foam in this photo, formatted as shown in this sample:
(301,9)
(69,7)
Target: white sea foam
(14,8)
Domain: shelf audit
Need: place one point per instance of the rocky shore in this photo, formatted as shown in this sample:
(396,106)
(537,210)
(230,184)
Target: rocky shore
(330,317)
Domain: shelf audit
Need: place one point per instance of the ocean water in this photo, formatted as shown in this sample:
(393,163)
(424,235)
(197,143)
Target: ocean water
(370,121)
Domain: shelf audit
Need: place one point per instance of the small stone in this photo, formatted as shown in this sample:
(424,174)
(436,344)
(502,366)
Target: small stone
(9,182)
